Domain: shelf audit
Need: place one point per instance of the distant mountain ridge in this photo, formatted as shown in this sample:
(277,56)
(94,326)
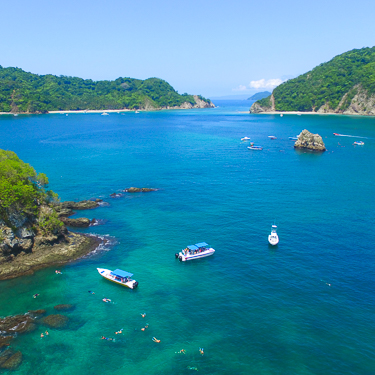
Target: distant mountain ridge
(345,84)
(23,92)
(260,95)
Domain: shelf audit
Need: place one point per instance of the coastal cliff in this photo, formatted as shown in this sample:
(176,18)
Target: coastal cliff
(31,234)
(344,85)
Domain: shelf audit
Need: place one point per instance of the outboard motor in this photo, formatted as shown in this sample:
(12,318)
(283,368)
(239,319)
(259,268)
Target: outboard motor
(135,285)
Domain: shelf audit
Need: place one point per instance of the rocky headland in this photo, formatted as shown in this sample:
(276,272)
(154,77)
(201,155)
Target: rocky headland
(309,141)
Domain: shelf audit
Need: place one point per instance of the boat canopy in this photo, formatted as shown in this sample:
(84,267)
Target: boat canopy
(201,244)
(121,273)
(192,247)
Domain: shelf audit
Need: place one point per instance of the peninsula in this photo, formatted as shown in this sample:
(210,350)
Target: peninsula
(23,92)
(32,236)
(343,85)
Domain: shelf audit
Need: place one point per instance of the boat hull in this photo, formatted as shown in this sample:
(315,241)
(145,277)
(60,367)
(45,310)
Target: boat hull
(273,240)
(185,257)
(131,284)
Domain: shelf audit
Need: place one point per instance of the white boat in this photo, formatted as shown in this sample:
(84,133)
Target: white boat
(258,148)
(199,250)
(293,138)
(359,143)
(105,114)
(273,238)
(245,139)
(119,277)
(272,137)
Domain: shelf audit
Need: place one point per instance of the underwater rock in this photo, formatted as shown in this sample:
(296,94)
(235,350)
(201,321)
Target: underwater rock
(64,307)
(12,361)
(56,321)
(17,324)
(81,222)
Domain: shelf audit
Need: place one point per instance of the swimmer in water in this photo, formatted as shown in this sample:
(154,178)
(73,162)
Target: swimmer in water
(182,351)
(192,368)
(35,295)
(46,333)
(143,315)
(91,292)
(106,300)
(41,335)
(155,339)
(58,272)
(119,332)
(201,351)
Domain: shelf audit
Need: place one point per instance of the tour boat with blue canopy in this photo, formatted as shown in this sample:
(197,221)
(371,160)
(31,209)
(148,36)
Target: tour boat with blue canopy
(119,277)
(199,250)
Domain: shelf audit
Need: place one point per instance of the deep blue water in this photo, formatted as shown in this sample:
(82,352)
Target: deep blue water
(254,309)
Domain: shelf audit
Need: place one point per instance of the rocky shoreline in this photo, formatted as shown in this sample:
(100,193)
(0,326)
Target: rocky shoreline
(70,247)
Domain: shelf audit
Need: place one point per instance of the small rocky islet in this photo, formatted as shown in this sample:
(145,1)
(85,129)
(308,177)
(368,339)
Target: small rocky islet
(310,141)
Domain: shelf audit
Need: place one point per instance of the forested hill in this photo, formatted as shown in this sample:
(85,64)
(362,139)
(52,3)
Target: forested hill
(346,84)
(25,92)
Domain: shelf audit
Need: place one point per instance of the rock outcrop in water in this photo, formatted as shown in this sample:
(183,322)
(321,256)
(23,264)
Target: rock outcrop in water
(139,190)
(309,141)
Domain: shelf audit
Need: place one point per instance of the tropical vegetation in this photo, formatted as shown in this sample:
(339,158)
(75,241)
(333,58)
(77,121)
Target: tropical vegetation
(25,92)
(23,190)
(328,83)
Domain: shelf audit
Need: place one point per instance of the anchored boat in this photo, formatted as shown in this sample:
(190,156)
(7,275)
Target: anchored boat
(273,238)
(119,277)
(199,250)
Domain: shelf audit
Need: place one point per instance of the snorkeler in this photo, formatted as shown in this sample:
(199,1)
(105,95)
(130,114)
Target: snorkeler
(201,351)
(58,272)
(106,300)
(155,339)
(143,315)
(35,295)
(91,292)
(118,332)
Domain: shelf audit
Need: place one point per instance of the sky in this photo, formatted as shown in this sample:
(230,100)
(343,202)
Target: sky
(213,48)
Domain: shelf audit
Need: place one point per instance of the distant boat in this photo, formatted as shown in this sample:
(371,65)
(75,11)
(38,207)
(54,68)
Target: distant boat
(245,139)
(136,111)
(272,137)
(293,138)
(273,238)
(258,148)
(336,134)
(359,143)
(119,277)
(105,114)
(199,250)
(281,115)
(16,114)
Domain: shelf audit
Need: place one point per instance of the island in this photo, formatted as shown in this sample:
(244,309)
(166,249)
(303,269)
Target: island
(23,92)
(32,236)
(260,95)
(343,85)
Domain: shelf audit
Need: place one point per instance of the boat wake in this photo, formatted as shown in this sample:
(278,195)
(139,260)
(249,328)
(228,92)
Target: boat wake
(348,135)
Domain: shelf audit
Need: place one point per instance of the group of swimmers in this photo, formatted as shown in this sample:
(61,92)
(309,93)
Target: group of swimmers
(44,334)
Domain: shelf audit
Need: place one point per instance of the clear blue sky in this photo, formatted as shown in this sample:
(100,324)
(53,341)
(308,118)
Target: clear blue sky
(203,47)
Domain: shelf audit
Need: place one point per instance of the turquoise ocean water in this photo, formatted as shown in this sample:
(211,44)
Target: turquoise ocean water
(254,309)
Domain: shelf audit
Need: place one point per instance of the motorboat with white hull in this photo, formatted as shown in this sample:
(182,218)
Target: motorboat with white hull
(199,250)
(119,277)
(273,238)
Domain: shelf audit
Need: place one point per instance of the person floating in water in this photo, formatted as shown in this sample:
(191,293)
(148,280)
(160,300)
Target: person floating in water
(143,315)
(41,335)
(144,328)
(155,339)
(107,338)
(91,292)
(192,368)
(201,351)
(35,295)
(182,351)
(46,333)
(106,300)
(58,272)
(119,332)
